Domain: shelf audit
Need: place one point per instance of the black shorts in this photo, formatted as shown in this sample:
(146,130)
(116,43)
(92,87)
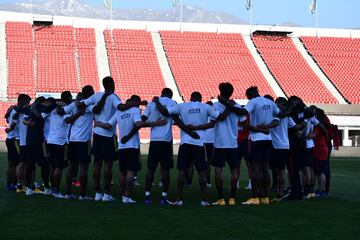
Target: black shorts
(24,153)
(129,160)
(209,150)
(229,155)
(279,158)
(13,150)
(58,156)
(260,151)
(191,154)
(160,152)
(243,147)
(79,152)
(104,148)
(35,152)
(309,158)
(321,167)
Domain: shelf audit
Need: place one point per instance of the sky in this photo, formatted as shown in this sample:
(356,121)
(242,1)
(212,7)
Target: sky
(331,13)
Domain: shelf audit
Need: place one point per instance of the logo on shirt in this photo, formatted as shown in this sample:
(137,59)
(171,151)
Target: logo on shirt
(126,115)
(266,107)
(193,111)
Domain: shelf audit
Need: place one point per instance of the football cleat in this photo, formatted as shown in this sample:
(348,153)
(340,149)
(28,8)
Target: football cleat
(220,202)
(265,201)
(205,203)
(252,201)
(98,196)
(232,202)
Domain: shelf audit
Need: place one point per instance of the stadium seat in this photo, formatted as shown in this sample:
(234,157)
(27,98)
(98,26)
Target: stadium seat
(339,58)
(291,70)
(200,61)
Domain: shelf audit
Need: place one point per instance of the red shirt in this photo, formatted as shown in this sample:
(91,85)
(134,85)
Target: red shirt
(243,133)
(321,147)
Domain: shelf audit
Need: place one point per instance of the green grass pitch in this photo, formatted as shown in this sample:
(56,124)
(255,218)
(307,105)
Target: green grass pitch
(43,217)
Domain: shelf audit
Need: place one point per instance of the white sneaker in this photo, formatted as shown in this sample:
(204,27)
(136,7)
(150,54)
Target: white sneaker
(136,183)
(47,191)
(179,203)
(127,200)
(86,198)
(107,198)
(98,196)
(58,195)
(71,196)
(28,192)
(248,187)
(208,185)
(205,203)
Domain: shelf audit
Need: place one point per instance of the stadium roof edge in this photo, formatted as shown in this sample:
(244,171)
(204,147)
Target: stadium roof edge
(176,26)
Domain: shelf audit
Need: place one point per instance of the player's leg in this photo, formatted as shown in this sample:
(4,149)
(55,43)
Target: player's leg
(199,159)
(220,156)
(209,147)
(57,152)
(234,164)
(73,162)
(152,162)
(255,155)
(166,162)
(264,172)
(108,148)
(183,164)
(12,163)
(98,160)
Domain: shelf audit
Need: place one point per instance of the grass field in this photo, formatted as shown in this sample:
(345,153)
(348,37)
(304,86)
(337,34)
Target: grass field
(43,217)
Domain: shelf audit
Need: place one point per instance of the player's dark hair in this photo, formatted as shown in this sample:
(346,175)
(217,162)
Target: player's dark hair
(281,100)
(40,99)
(167,92)
(23,98)
(196,97)
(252,92)
(209,103)
(87,91)
(320,114)
(226,89)
(66,96)
(51,100)
(135,98)
(268,96)
(108,83)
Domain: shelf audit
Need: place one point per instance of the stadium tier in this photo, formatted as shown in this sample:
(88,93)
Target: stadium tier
(55,59)
(200,61)
(339,58)
(86,49)
(291,70)
(133,63)
(20,59)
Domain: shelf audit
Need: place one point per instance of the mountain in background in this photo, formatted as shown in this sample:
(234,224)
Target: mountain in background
(80,9)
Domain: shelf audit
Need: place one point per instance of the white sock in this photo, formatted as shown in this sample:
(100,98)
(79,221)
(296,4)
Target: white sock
(147,193)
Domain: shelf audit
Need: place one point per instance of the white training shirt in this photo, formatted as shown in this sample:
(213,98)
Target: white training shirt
(59,130)
(226,131)
(209,134)
(279,134)
(194,113)
(81,129)
(22,129)
(15,132)
(106,113)
(310,124)
(262,111)
(126,122)
(160,133)
(46,125)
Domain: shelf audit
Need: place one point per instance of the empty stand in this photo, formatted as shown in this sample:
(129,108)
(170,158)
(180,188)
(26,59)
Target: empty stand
(55,54)
(133,63)
(291,70)
(20,57)
(200,61)
(339,58)
(86,45)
